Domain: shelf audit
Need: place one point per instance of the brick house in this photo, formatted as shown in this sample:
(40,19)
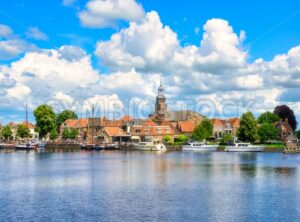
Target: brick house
(79,124)
(222,127)
(285,129)
(150,131)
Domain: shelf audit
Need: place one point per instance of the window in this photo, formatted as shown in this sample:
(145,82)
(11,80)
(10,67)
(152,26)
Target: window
(138,131)
(167,130)
(147,131)
(158,130)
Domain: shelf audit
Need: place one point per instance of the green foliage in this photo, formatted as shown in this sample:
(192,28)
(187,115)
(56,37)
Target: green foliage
(53,134)
(267,131)
(65,133)
(203,131)
(227,139)
(268,117)
(65,115)
(298,134)
(167,139)
(73,133)
(69,133)
(248,128)
(45,120)
(23,131)
(181,139)
(6,132)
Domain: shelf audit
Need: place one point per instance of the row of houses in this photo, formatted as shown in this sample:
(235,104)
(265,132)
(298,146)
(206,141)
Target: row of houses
(31,127)
(103,130)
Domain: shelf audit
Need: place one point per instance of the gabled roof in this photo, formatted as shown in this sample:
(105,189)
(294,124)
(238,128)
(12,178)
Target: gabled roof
(149,122)
(28,124)
(114,131)
(74,123)
(283,124)
(218,122)
(234,122)
(186,126)
(126,118)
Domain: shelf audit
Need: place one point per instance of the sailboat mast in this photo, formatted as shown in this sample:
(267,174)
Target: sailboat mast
(27,121)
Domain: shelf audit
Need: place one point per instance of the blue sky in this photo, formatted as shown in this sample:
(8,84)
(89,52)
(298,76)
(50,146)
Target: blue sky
(260,29)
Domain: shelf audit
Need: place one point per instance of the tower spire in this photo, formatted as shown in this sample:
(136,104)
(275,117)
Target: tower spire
(161,88)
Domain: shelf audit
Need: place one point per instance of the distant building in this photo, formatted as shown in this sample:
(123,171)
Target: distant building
(31,127)
(285,130)
(182,122)
(222,127)
(151,131)
(112,135)
(79,124)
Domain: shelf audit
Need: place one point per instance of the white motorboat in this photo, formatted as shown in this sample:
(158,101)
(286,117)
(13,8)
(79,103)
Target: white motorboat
(244,147)
(149,146)
(199,146)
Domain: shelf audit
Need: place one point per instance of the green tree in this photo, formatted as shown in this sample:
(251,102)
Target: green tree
(268,117)
(298,134)
(73,133)
(63,116)
(6,132)
(53,134)
(267,131)
(248,128)
(23,131)
(45,120)
(203,131)
(227,139)
(66,134)
(167,139)
(181,139)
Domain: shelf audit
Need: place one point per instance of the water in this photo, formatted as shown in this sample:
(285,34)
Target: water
(136,186)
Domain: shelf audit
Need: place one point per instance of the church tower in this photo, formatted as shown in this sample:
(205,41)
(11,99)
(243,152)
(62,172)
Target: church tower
(161,105)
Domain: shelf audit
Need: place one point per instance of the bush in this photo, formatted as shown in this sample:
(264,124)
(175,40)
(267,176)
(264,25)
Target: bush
(227,139)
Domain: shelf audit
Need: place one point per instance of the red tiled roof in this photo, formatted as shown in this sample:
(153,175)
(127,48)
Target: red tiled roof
(114,131)
(218,122)
(28,124)
(152,130)
(186,126)
(149,122)
(74,123)
(235,122)
(126,118)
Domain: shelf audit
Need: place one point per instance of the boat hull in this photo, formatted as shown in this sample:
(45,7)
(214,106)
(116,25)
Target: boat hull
(200,148)
(157,147)
(20,147)
(248,149)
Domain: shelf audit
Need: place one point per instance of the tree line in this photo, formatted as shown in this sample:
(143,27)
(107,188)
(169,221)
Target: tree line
(48,123)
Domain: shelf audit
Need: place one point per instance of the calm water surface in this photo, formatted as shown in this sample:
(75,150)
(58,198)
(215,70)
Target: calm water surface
(136,186)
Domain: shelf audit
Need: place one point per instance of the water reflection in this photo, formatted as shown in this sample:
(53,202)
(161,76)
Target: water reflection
(171,186)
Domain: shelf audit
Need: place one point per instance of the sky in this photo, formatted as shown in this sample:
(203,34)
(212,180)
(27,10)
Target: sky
(220,58)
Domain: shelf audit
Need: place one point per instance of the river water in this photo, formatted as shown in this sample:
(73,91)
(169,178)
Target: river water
(137,186)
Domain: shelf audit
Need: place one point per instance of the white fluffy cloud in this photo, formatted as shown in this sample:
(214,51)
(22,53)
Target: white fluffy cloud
(105,13)
(218,66)
(213,76)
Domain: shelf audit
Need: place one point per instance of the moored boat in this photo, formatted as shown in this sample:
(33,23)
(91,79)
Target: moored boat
(244,147)
(199,146)
(149,146)
(26,146)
